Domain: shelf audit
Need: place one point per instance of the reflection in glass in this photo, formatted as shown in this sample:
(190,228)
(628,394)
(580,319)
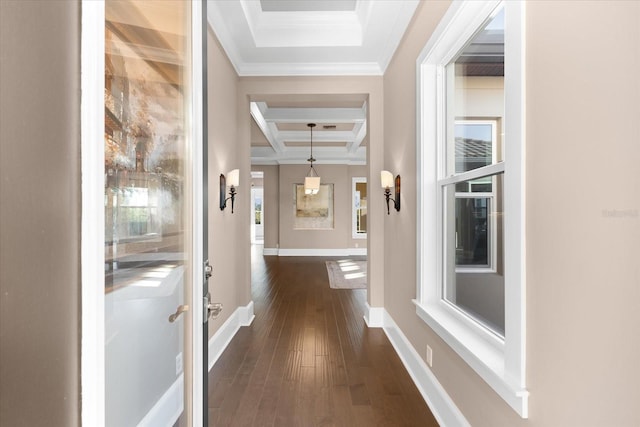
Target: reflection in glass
(473,276)
(147,204)
(474,273)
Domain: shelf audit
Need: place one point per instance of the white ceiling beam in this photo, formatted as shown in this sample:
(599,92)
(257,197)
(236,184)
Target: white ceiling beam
(323,136)
(257,112)
(299,155)
(360,131)
(315,115)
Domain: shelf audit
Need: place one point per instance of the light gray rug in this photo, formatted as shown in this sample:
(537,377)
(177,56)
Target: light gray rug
(347,274)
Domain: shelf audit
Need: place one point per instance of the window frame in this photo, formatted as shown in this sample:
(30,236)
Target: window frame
(500,362)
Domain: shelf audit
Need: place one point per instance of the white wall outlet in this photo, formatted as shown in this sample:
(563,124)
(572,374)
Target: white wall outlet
(429,357)
(179,363)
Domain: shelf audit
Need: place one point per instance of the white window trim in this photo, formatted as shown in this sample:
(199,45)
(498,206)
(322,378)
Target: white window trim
(354,220)
(500,362)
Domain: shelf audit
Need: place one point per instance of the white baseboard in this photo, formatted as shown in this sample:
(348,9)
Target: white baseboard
(242,316)
(269,251)
(374,316)
(443,408)
(322,252)
(245,314)
(357,251)
(168,408)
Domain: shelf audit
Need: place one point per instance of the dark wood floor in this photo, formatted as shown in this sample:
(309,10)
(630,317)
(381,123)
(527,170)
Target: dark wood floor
(308,358)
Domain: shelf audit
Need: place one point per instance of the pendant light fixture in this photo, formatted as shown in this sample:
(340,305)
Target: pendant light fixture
(312,180)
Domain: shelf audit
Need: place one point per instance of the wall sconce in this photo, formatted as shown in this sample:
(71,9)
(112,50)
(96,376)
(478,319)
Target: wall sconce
(386,179)
(232,181)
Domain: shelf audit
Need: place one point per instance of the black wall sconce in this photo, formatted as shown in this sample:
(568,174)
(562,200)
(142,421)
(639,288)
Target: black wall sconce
(387,181)
(232,181)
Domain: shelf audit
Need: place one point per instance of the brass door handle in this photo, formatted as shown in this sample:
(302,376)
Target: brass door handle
(181,309)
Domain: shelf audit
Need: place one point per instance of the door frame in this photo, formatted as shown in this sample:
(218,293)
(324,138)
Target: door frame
(92,358)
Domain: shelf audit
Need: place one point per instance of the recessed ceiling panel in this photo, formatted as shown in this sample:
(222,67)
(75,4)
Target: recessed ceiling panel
(309,37)
(307,5)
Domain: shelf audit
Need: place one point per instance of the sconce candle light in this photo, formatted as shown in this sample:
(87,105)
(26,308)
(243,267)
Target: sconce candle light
(387,181)
(232,181)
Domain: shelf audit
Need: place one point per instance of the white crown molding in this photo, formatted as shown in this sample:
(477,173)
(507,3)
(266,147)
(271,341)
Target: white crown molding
(303,43)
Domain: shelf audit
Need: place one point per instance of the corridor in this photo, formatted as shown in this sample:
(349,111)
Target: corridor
(308,358)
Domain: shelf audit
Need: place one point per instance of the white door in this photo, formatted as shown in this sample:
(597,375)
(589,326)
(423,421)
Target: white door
(151,233)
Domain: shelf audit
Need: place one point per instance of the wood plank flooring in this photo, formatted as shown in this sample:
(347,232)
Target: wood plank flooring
(308,359)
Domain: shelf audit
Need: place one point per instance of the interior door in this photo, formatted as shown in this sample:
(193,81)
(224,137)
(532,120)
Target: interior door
(153,220)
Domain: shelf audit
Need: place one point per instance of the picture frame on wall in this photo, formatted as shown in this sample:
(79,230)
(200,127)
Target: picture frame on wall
(313,212)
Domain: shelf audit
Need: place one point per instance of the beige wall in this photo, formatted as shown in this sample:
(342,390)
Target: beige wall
(39,213)
(340,237)
(226,230)
(583,220)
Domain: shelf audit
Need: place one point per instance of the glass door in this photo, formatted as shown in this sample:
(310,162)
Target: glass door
(149,204)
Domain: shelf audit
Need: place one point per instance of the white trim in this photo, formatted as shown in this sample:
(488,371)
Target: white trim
(245,314)
(196,382)
(482,172)
(501,363)
(92,375)
(322,252)
(242,316)
(374,316)
(168,408)
(441,405)
(269,251)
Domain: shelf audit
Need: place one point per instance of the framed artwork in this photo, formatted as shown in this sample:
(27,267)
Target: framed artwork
(313,212)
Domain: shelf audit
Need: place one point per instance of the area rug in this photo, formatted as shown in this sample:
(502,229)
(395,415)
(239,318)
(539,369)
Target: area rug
(347,274)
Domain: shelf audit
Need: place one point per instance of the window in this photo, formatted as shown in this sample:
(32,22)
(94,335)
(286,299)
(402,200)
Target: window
(359,211)
(258,210)
(471,215)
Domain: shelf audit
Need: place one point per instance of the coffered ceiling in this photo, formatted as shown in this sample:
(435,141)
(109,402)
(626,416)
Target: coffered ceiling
(280,134)
(309,38)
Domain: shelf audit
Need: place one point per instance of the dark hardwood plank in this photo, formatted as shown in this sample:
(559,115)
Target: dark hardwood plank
(308,359)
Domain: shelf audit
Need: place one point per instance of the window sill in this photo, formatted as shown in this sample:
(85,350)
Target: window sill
(482,351)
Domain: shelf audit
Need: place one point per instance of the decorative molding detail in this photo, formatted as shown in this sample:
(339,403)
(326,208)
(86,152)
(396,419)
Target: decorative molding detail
(168,408)
(374,316)
(284,144)
(242,316)
(310,43)
(442,406)
(322,252)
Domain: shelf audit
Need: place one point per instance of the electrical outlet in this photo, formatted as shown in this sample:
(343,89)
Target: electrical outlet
(178,363)
(429,356)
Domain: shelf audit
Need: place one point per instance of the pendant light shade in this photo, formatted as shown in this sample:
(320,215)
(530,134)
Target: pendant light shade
(312,180)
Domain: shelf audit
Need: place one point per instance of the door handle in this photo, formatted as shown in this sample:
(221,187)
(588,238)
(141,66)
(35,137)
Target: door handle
(211,309)
(181,309)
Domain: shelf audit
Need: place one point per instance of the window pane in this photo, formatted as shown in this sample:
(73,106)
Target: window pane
(473,145)
(475,101)
(474,256)
(472,244)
